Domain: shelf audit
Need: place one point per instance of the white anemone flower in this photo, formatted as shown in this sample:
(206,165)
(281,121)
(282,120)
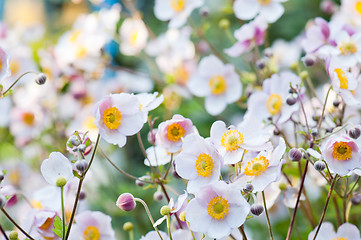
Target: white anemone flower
(55,167)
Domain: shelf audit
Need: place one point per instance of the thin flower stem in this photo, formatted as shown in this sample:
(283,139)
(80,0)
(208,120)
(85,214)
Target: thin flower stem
(325,207)
(131,235)
(241,230)
(268,221)
(141,145)
(3,232)
(168,227)
(168,199)
(149,215)
(303,111)
(16,225)
(62,210)
(120,170)
(191,231)
(344,202)
(337,210)
(79,189)
(323,109)
(354,185)
(169,167)
(17,80)
(298,200)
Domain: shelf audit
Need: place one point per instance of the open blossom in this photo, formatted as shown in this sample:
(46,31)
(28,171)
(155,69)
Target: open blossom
(271,10)
(272,101)
(199,162)
(233,141)
(170,133)
(177,11)
(248,36)
(44,224)
(56,166)
(148,102)
(219,83)
(316,36)
(342,154)
(346,231)
(134,35)
(118,116)
(217,209)
(4,64)
(264,169)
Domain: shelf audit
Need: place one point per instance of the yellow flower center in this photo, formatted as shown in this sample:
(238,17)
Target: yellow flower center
(274,104)
(14,67)
(342,151)
(28,118)
(232,140)
(134,35)
(264,2)
(256,166)
(36,204)
(81,52)
(181,75)
(341,238)
(347,48)
(74,36)
(217,84)
(112,118)
(342,77)
(204,165)
(218,207)
(177,5)
(358,7)
(175,131)
(91,233)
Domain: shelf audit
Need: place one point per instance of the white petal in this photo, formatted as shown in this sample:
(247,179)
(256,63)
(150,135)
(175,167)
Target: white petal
(57,165)
(272,12)
(246,9)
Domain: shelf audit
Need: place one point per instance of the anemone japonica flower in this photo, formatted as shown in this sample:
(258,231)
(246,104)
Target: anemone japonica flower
(219,83)
(4,64)
(118,116)
(264,169)
(55,167)
(272,100)
(134,35)
(177,11)
(316,36)
(343,81)
(199,162)
(271,10)
(44,224)
(217,209)
(170,133)
(92,225)
(342,154)
(148,102)
(248,36)
(233,141)
(346,231)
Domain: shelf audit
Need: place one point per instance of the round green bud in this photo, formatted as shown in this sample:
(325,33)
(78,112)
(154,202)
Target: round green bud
(224,23)
(294,66)
(13,235)
(182,216)
(60,182)
(304,75)
(165,210)
(282,186)
(128,226)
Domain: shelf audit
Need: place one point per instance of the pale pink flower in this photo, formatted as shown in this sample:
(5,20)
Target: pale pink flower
(134,35)
(327,232)
(316,36)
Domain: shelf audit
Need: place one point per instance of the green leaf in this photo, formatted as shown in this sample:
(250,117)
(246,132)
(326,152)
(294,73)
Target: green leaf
(58,227)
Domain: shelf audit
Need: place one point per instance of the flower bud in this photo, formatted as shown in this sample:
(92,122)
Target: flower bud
(356,200)
(257,209)
(151,136)
(40,79)
(336,103)
(319,165)
(268,52)
(224,23)
(248,188)
(139,183)
(182,216)
(81,165)
(126,202)
(309,60)
(74,140)
(276,132)
(60,182)
(204,12)
(295,154)
(13,235)
(354,133)
(328,6)
(261,63)
(165,210)
(82,196)
(2,176)
(314,132)
(291,90)
(282,186)
(158,196)
(291,101)
(128,226)
(304,75)
(82,148)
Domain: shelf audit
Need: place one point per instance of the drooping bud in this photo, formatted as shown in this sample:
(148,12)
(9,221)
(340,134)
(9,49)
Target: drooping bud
(291,101)
(74,140)
(248,188)
(40,79)
(128,226)
(204,12)
(261,63)
(2,176)
(139,183)
(126,202)
(81,165)
(336,103)
(165,210)
(295,154)
(354,133)
(82,148)
(356,200)
(257,209)
(158,196)
(268,52)
(60,182)
(314,132)
(309,60)
(82,196)
(319,165)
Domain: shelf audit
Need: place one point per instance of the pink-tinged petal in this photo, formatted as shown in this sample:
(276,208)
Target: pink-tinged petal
(239,48)
(272,12)
(127,104)
(215,104)
(197,216)
(131,124)
(218,229)
(325,29)
(104,104)
(246,9)
(348,231)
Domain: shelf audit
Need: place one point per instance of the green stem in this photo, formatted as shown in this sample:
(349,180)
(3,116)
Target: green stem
(12,85)
(62,210)
(131,235)
(323,109)
(191,231)
(168,227)
(268,221)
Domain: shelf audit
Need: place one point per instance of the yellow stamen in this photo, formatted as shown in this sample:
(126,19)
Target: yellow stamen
(347,48)
(81,52)
(264,2)
(91,233)
(341,151)
(274,104)
(256,166)
(112,118)
(28,118)
(14,67)
(232,140)
(342,77)
(217,85)
(181,75)
(204,165)
(358,7)
(175,131)
(74,36)
(36,204)
(134,35)
(178,5)
(218,207)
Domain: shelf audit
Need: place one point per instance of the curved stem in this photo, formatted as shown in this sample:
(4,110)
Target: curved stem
(17,80)
(325,207)
(149,215)
(62,210)
(16,225)
(141,145)
(323,109)
(268,221)
(169,167)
